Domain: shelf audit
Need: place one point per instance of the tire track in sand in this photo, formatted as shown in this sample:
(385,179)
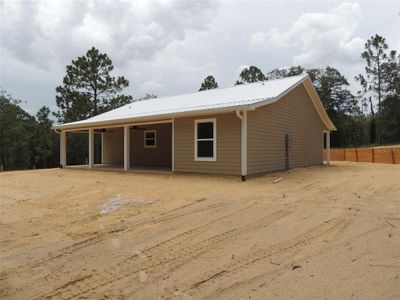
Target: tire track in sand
(234,268)
(69,250)
(162,256)
(92,241)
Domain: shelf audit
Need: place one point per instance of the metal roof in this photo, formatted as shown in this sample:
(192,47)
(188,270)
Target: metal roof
(244,96)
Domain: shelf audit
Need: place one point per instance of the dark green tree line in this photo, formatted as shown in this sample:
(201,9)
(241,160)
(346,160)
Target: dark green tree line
(25,141)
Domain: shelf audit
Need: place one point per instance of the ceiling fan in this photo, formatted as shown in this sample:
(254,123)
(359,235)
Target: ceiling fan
(135,127)
(103,130)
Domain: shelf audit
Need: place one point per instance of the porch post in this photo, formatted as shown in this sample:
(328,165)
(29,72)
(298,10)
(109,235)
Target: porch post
(91,148)
(244,145)
(173,145)
(126,148)
(102,147)
(63,149)
(328,147)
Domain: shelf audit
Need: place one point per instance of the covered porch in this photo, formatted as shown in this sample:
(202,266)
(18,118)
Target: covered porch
(139,147)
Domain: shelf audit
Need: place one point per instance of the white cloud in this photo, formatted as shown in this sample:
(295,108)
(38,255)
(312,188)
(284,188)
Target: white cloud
(169,47)
(152,87)
(322,38)
(48,31)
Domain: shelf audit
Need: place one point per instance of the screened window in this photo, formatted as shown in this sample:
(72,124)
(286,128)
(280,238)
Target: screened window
(205,139)
(150,139)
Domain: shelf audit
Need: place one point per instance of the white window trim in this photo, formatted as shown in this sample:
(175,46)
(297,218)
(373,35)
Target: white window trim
(214,139)
(155,139)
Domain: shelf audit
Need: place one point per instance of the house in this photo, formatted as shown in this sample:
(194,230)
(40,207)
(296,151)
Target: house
(242,130)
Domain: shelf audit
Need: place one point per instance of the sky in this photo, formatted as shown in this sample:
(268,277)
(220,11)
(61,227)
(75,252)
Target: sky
(169,47)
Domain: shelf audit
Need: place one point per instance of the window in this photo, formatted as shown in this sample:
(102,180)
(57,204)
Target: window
(205,132)
(150,139)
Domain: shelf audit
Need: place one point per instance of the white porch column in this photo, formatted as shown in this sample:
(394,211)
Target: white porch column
(173,145)
(126,148)
(328,147)
(91,148)
(102,147)
(63,149)
(244,143)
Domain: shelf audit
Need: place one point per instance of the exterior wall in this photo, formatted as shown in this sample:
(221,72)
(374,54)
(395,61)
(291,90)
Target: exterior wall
(161,155)
(113,147)
(295,115)
(228,146)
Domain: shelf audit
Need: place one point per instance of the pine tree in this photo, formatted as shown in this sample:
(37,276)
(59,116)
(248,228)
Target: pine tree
(374,55)
(285,72)
(209,83)
(43,140)
(88,88)
(16,129)
(250,74)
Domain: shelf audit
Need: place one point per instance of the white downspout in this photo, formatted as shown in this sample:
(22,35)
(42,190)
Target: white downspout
(243,117)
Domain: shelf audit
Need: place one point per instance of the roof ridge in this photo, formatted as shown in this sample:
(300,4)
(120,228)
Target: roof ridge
(262,92)
(225,88)
(269,80)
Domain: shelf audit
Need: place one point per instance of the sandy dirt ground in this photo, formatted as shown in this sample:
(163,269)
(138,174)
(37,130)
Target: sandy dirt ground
(324,232)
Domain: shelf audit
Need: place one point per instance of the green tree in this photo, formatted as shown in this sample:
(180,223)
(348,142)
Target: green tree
(209,83)
(366,101)
(374,54)
(391,119)
(341,106)
(250,74)
(16,128)
(391,74)
(333,89)
(285,72)
(44,140)
(88,88)
(390,115)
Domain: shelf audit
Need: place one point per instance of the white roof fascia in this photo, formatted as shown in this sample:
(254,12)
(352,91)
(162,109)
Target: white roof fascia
(318,105)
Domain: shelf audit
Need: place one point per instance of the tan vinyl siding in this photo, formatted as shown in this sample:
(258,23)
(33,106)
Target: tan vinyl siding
(161,155)
(295,115)
(113,146)
(228,146)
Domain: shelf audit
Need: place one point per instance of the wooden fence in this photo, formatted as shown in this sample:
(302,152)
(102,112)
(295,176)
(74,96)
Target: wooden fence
(387,155)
